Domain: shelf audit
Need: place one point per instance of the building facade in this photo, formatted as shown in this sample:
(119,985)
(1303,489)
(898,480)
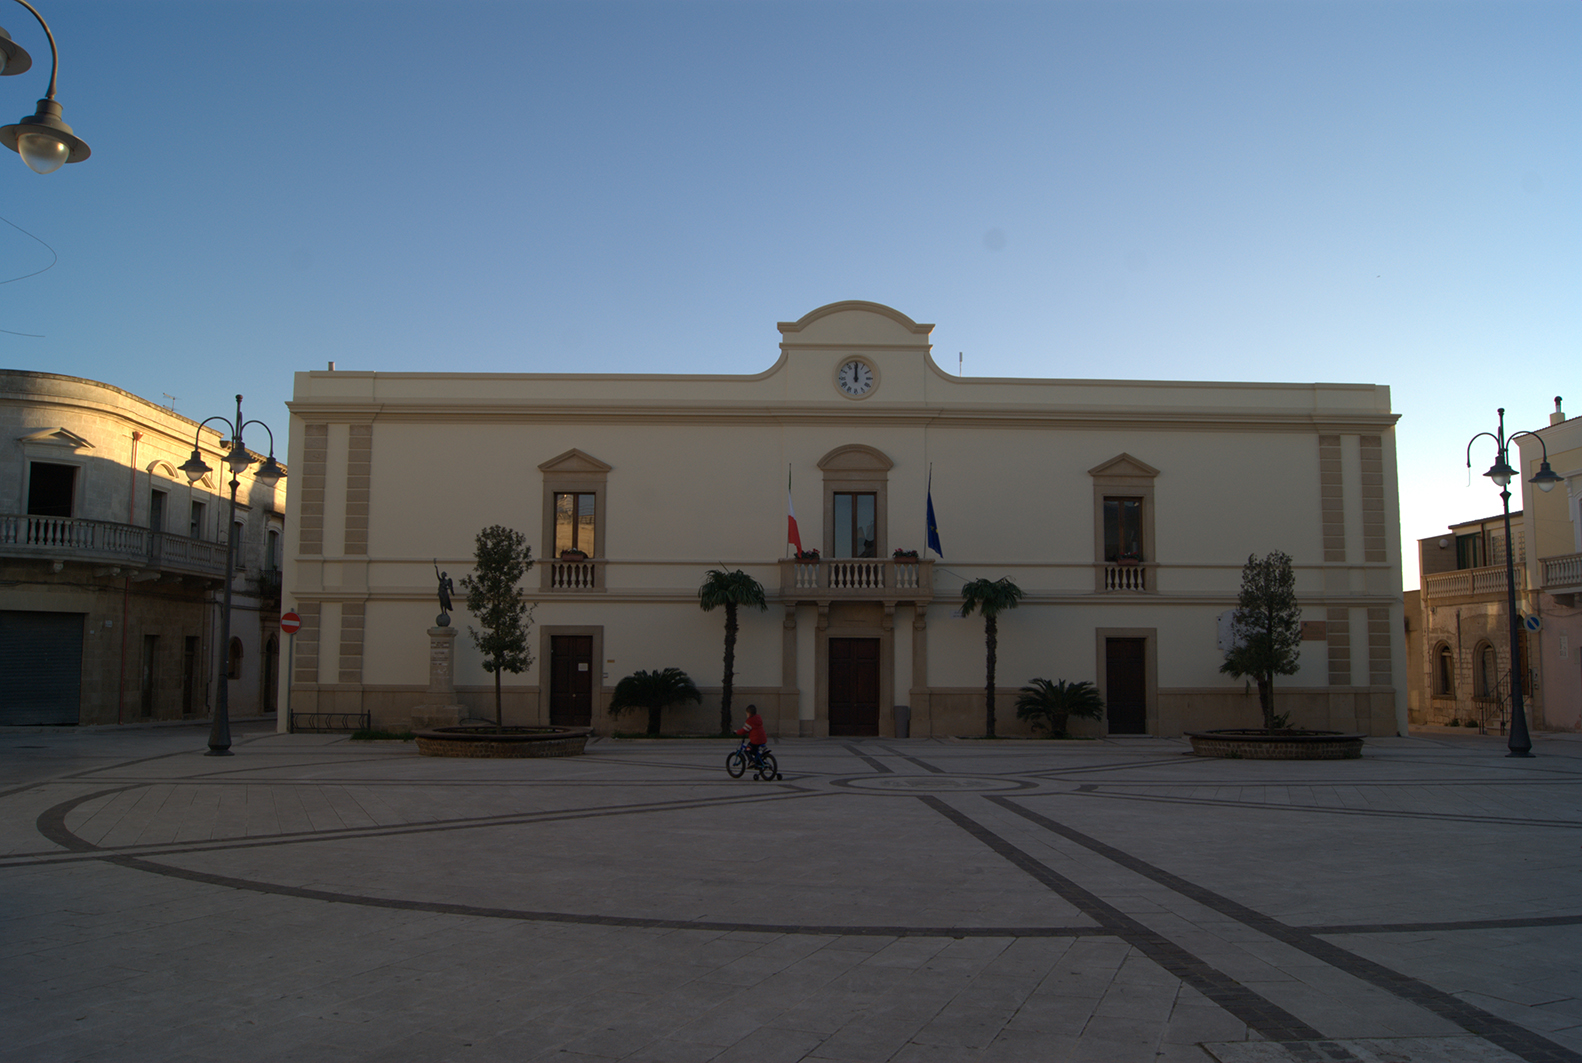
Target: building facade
(1123,509)
(112,563)
(1554,568)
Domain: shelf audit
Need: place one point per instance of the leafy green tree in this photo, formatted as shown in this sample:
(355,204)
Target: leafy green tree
(991,598)
(1268,629)
(730,589)
(653,691)
(1047,704)
(501,558)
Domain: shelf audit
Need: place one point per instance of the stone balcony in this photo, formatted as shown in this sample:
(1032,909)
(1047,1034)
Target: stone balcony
(1485,584)
(857,579)
(108,544)
(1563,577)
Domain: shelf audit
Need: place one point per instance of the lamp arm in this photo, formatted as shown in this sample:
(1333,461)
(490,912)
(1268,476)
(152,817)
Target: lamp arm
(1536,436)
(1498,443)
(198,435)
(54,58)
(266,428)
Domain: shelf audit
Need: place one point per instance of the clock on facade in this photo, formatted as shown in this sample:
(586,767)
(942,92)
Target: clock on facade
(855,378)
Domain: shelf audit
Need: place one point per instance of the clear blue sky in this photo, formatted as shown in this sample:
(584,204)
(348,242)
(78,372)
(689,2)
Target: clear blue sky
(1385,192)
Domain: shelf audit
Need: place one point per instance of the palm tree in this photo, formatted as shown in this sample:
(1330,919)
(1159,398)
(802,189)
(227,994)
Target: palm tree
(1050,704)
(653,691)
(989,597)
(729,589)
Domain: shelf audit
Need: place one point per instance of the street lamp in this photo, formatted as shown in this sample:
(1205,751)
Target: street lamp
(269,473)
(1500,472)
(44,141)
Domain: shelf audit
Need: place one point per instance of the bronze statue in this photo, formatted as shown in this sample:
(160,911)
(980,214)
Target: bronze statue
(446,585)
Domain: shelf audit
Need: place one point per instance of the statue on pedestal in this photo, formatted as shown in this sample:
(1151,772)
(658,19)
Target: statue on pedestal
(446,585)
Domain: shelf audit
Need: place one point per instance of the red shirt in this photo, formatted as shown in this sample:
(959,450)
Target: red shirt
(754,730)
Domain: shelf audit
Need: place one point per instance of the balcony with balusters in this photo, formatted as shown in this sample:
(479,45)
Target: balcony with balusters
(108,545)
(857,579)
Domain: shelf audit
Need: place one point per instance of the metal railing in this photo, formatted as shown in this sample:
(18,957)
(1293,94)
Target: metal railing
(329,722)
(1485,582)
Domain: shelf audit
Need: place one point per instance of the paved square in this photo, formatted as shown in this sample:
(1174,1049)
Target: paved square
(314,898)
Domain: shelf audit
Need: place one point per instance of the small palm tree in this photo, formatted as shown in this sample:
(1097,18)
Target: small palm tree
(989,597)
(653,691)
(1046,704)
(729,589)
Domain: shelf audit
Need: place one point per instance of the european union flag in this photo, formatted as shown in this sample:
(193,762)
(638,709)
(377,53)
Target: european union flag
(933,527)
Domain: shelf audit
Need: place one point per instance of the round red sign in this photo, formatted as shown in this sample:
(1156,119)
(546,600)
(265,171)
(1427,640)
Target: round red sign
(289,622)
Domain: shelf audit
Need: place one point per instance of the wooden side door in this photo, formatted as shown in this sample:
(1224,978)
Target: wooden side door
(854,687)
(1126,685)
(571,680)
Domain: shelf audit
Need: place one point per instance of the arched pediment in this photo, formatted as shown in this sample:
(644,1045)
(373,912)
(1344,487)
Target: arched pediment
(855,457)
(574,462)
(856,323)
(164,468)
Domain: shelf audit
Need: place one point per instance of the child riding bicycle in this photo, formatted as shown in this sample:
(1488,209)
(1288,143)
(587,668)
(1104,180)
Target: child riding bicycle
(756,738)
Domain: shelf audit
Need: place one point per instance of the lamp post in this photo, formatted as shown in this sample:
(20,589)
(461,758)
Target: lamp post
(44,141)
(269,473)
(1520,744)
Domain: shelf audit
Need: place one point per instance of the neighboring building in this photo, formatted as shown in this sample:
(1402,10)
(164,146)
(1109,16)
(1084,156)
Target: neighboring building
(1124,509)
(112,564)
(1554,568)
(1462,671)
(1464,657)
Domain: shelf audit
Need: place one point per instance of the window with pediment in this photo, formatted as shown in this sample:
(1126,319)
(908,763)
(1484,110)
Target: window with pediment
(1123,523)
(574,508)
(856,488)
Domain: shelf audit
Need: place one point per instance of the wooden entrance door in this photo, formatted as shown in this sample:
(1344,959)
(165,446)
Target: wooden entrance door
(1126,685)
(571,680)
(853,686)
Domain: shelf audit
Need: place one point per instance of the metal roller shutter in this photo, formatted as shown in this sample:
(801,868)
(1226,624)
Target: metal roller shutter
(40,667)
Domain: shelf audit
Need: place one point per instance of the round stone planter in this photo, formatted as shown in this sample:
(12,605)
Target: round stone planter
(503,741)
(1258,744)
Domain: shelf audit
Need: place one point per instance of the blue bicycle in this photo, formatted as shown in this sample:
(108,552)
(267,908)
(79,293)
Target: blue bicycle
(738,762)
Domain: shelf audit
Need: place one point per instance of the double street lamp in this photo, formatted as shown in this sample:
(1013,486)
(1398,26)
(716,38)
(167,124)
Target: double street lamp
(269,473)
(44,141)
(1500,472)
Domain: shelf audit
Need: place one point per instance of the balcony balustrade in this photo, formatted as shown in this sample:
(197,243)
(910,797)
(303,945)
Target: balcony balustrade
(572,575)
(1127,577)
(106,542)
(858,579)
(1563,574)
(1487,582)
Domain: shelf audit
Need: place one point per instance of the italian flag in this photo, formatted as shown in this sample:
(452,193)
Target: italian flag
(792,535)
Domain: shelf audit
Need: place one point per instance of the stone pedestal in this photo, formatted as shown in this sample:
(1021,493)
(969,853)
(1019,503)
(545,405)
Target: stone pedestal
(439,709)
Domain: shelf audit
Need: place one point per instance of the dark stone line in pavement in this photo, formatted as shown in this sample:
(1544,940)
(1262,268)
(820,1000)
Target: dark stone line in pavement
(1515,1039)
(1260,1014)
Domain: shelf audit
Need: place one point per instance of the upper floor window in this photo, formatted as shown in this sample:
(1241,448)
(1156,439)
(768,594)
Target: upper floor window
(195,525)
(51,489)
(856,524)
(272,551)
(156,510)
(576,527)
(1123,529)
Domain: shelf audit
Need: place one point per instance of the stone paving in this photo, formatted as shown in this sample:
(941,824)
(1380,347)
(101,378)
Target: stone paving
(313,898)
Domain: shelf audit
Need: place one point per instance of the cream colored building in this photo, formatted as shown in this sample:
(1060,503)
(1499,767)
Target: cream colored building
(1554,568)
(112,563)
(1052,483)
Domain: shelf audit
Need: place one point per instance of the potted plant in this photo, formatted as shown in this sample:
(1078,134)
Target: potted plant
(807,555)
(573,555)
(1130,559)
(904,555)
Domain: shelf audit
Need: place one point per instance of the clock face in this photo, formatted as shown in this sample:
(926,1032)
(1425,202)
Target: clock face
(855,378)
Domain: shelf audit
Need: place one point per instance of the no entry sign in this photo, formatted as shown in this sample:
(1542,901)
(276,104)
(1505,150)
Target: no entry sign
(289,622)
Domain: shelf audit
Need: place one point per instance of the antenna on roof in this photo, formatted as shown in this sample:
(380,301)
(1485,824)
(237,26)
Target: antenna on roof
(172,399)
(958,363)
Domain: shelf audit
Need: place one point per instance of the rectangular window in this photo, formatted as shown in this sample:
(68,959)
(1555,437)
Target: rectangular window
(574,526)
(195,528)
(1469,551)
(238,534)
(156,511)
(272,551)
(1123,529)
(856,525)
(50,489)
